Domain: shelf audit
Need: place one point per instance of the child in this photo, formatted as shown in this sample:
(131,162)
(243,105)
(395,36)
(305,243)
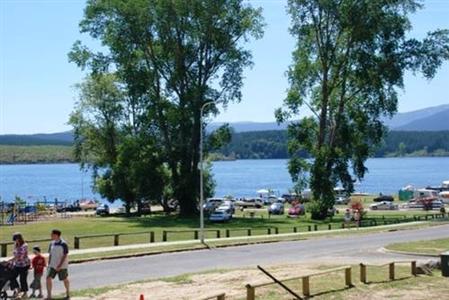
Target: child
(38,264)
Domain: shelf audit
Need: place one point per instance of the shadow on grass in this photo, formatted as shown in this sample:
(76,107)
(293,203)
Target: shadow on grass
(388,280)
(330,291)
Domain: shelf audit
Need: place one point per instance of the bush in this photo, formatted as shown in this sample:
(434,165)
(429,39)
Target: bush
(316,210)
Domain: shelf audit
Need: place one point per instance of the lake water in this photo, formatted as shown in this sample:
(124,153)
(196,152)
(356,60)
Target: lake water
(237,178)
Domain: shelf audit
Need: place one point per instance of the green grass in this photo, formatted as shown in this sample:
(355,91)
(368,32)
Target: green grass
(379,287)
(432,247)
(35,154)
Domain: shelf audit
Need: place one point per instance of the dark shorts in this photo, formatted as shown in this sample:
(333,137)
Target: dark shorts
(36,284)
(62,274)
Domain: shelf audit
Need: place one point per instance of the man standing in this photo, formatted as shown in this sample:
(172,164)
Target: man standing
(58,263)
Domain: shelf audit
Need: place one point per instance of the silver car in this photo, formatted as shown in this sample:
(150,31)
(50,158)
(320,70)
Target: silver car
(220,216)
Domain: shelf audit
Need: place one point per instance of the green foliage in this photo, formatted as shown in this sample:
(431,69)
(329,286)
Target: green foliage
(273,144)
(348,63)
(170,58)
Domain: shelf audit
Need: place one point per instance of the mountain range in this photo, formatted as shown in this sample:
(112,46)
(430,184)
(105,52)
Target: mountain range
(428,119)
(434,118)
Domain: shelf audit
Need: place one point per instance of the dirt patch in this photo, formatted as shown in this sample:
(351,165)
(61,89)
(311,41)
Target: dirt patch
(232,282)
(198,286)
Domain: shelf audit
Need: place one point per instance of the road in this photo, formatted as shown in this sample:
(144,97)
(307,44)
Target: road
(355,248)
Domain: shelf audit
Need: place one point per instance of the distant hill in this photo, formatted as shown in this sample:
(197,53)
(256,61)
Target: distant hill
(59,138)
(401,120)
(429,119)
(435,122)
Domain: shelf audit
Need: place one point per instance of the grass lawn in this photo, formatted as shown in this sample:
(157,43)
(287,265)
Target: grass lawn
(425,247)
(77,226)
(329,286)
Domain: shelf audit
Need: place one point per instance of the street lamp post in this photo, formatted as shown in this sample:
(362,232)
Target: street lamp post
(202,171)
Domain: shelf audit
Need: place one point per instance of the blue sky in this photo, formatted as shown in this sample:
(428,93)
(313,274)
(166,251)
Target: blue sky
(36,79)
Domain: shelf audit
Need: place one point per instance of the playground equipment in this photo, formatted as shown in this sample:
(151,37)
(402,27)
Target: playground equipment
(14,213)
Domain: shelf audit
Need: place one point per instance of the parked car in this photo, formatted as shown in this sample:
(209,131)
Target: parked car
(296,210)
(227,206)
(212,204)
(103,210)
(276,209)
(250,203)
(383,198)
(68,208)
(437,204)
(342,200)
(220,216)
(384,205)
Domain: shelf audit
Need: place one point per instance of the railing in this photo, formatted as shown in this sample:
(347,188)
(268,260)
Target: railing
(4,245)
(391,269)
(194,231)
(251,288)
(116,236)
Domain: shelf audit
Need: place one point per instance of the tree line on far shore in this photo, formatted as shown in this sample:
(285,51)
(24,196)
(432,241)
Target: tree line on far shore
(251,145)
(273,145)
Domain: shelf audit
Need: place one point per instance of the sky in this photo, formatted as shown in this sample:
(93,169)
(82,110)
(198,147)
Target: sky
(36,79)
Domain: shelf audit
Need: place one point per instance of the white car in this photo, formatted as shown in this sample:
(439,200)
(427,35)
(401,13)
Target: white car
(227,206)
(220,216)
(250,203)
(384,205)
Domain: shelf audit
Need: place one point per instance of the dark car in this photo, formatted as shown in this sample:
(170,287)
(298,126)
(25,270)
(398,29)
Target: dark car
(383,198)
(68,208)
(276,209)
(102,210)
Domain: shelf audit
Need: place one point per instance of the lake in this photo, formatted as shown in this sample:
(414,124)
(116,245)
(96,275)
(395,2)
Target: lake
(237,178)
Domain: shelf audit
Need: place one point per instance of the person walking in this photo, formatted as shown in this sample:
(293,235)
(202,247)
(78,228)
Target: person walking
(357,217)
(58,263)
(38,264)
(20,263)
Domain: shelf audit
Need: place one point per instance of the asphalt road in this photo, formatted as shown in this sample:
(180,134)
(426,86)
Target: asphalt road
(356,249)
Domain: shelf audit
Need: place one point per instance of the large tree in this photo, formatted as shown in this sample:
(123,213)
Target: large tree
(111,138)
(348,65)
(173,56)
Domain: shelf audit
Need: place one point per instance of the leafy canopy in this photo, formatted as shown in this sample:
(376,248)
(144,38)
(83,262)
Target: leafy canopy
(171,57)
(348,65)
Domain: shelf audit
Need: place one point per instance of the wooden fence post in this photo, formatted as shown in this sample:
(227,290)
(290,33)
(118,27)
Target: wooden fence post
(249,232)
(306,286)
(164,236)
(391,271)
(276,230)
(250,292)
(116,240)
(315,227)
(152,237)
(76,242)
(195,235)
(269,231)
(363,273)
(413,267)
(295,229)
(329,226)
(4,250)
(228,233)
(218,234)
(348,277)
(310,228)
